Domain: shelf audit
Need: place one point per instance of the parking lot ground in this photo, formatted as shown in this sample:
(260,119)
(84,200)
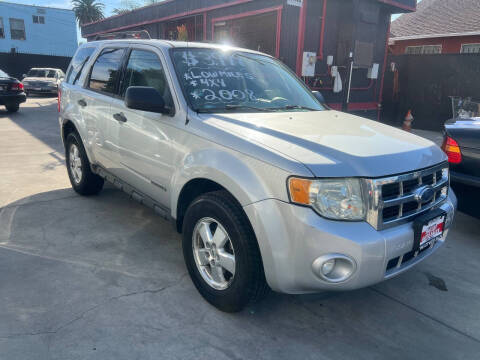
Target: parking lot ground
(103,278)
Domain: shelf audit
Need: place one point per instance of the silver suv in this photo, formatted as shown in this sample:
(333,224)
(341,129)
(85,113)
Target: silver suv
(269,188)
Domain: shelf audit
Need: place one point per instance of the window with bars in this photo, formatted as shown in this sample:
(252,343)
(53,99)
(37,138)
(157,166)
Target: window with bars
(423,49)
(432,49)
(2,31)
(17,29)
(38,19)
(470,49)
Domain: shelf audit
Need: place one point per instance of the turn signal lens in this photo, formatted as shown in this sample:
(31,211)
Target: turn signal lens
(452,150)
(300,190)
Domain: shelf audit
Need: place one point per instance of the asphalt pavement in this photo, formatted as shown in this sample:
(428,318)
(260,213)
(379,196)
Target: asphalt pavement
(103,278)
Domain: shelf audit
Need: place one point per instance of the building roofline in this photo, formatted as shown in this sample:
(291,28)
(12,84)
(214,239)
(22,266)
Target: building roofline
(128,12)
(165,18)
(432,36)
(35,6)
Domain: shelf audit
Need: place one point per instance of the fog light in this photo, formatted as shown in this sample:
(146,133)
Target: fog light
(334,268)
(328,266)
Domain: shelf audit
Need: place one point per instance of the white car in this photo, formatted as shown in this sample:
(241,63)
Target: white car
(268,187)
(42,80)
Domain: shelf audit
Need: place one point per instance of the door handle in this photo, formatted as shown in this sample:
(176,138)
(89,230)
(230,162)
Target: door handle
(82,103)
(120,117)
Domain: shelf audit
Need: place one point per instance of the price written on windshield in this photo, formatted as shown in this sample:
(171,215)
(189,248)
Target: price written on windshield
(223,95)
(214,77)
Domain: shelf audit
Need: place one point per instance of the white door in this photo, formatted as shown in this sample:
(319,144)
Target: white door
(101,87)
(145,137)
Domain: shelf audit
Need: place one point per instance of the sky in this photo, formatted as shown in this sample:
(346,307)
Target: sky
(66,4)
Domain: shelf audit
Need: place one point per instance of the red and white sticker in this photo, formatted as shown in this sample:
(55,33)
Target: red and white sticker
(432,230)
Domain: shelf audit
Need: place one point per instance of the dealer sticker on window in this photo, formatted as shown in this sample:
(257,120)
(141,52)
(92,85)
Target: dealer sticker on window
(432,231)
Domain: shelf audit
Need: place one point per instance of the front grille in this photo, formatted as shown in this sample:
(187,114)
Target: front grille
(406,259)
(395,201)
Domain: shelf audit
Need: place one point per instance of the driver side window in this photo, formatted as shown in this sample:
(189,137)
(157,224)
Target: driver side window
(144,68)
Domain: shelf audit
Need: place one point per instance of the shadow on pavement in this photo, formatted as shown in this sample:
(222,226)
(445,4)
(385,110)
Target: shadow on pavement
(41,121)
(106,268)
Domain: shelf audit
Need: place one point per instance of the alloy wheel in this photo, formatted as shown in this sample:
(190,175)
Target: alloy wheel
(213,253)
(75,163)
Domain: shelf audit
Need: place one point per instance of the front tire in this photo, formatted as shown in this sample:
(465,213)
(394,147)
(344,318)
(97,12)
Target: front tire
(83,180)
(221,252)
(12,108)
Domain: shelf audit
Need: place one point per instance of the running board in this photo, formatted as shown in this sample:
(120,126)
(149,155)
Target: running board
(136,195)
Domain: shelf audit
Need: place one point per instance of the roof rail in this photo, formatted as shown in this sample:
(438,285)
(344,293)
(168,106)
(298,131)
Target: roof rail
(140,34)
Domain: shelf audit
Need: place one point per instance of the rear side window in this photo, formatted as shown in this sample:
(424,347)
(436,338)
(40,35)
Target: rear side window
(79,60)
(106,71)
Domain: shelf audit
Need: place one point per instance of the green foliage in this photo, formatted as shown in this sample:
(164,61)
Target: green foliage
(88,10)
(129,5)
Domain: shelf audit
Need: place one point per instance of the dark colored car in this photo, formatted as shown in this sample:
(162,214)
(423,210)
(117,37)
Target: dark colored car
(11,92)
(462,145)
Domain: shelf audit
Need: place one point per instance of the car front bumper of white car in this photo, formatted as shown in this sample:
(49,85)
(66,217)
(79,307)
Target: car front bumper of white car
(295,242)
(41,87)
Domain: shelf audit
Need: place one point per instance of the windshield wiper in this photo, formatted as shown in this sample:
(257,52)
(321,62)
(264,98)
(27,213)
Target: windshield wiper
(294,107)
(240,106)
(231,107)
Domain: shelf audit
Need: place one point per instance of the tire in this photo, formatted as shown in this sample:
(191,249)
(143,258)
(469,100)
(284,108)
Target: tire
(12,108)
(83,180)
(247,284)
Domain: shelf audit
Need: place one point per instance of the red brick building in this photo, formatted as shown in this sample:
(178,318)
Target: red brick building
(438,27)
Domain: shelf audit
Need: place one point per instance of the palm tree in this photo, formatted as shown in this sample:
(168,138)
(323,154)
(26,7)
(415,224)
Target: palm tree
(129,5)
(88,10)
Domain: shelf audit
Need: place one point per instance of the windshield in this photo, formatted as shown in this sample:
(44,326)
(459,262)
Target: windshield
(3,74)
(465,108)
(41,73)
(214,80)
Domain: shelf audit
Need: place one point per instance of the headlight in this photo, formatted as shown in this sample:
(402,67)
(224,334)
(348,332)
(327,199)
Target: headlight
(338,199)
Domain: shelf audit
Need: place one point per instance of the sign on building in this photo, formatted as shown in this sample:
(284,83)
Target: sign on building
(308,64)
(295,2)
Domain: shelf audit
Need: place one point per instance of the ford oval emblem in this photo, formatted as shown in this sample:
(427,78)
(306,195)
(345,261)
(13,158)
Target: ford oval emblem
(424,194)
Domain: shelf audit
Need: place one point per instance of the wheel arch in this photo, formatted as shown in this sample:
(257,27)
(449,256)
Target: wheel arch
(190,191)
(69,126)
(212,170)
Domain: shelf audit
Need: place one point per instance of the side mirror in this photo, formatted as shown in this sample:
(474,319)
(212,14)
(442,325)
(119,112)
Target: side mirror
(146,99)
(319,97)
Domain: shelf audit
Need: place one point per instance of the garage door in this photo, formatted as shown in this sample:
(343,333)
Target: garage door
(256,32)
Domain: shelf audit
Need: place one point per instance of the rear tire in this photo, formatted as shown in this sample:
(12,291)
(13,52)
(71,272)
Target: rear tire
(83,180)
(12,108)
(245,283)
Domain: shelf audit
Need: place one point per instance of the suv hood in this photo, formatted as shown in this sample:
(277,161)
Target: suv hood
(332,143)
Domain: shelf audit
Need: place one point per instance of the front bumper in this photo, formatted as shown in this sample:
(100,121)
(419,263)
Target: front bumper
(291,238)
(458,177)
(12,99)
(41,89)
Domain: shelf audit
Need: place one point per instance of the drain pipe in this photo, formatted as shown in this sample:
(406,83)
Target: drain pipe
(350,79)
